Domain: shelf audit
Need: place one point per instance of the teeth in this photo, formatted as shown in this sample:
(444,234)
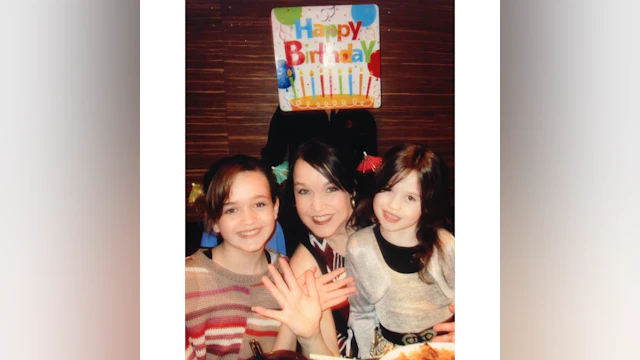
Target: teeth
(249,233)
(321,218)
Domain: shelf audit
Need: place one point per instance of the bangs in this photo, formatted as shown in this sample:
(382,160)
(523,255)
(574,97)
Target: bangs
(387,184)
(324,170)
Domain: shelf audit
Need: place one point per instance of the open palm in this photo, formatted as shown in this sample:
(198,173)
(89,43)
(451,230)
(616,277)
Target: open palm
(300,302)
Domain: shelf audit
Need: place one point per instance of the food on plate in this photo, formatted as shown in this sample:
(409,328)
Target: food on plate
(426,352)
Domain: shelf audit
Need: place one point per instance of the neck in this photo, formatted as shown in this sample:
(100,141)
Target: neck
(403,238)
(338,241)
(238,261)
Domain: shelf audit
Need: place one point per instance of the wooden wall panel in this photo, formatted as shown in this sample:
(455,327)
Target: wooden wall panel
(231,81)
(205,116)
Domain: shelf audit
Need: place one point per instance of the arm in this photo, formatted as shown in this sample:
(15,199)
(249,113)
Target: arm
(300,262)
(362,313)
(448,328)
(303,305)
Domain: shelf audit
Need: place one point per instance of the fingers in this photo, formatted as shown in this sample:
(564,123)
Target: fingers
(341,293)
(310,279)
(338,284)
(449,337)
(331,275)
(271,314)
(277,279)
(333,302)
(337,297)
(274,291)
(301,278)
(445,327)
(288,275)
(452,308)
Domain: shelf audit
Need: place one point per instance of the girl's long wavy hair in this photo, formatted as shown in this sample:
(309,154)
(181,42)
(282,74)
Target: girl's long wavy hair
(433,178)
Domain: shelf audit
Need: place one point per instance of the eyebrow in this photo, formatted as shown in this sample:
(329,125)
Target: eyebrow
(303,184)
(253,198)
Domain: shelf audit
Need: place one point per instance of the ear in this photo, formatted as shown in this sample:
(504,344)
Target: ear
(276,208)
(216,228)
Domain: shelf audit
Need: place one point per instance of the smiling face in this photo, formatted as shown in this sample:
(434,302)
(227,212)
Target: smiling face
(248,215)
(322,206)
(398,209)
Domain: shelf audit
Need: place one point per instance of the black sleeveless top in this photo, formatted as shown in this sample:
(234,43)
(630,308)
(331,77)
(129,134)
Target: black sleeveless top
(329,260)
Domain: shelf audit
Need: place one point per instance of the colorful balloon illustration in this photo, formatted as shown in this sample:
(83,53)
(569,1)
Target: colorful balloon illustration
(365,13)
(288,16)
(374,64)
(281,74)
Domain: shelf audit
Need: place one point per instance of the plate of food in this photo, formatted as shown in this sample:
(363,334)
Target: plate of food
(423,351)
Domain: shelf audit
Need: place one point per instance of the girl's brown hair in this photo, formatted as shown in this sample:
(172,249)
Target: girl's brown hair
(220,177)
(433,178)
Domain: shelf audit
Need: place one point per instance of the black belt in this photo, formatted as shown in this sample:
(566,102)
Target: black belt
(407,338)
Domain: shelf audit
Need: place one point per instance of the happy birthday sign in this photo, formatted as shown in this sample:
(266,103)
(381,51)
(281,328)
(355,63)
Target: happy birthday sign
(327,57)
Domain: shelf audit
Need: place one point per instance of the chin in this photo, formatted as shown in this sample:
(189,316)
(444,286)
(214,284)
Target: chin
(322,233)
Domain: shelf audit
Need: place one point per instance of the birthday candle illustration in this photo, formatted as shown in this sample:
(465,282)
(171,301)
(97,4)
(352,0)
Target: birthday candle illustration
(368,86)
(313,85)
(330,84)
(322,82)
(360,92)
(350,83)
(304,93)
(293,87)
(340,80)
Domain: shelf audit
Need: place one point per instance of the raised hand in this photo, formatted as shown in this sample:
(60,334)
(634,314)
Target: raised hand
(449,328)
(331,292)
(301,308)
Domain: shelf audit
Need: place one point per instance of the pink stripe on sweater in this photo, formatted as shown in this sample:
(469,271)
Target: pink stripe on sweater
(220,350)
(194,314)
(252,332)
(195,294)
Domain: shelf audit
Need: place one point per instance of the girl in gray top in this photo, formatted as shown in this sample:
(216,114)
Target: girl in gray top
(403,265)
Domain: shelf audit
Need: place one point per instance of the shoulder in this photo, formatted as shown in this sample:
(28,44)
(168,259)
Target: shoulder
(446,240)
(302,260)
(193,259)
(361,240)
(445,236)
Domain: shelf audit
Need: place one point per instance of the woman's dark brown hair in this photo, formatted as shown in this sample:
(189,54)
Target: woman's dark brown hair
(220,177)
(433,178)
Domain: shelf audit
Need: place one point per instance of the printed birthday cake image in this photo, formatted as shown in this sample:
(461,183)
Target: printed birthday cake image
(327,57)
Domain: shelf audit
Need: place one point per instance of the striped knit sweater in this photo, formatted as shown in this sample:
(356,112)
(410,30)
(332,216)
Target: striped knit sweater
(219,320)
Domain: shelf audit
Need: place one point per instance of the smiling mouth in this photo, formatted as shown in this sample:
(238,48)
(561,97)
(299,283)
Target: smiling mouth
(390,217)
(321,220)
(249,233)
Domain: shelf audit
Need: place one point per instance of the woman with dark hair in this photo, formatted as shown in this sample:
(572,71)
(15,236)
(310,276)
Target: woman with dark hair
(323,190)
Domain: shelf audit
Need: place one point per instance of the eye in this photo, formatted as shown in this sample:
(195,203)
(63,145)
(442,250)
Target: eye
(411,198)
(303,191)
(261,204)
(230,211)
(332,189)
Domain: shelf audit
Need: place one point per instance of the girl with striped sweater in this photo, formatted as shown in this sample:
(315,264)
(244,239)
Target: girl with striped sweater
(223,285)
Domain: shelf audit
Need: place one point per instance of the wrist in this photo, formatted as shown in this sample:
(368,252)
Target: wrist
(311,338)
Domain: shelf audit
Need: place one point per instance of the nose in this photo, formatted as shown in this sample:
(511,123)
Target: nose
(249,216)
(317,204)
(394,202)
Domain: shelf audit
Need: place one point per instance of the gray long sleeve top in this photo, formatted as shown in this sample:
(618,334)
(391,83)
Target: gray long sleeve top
(400,302)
